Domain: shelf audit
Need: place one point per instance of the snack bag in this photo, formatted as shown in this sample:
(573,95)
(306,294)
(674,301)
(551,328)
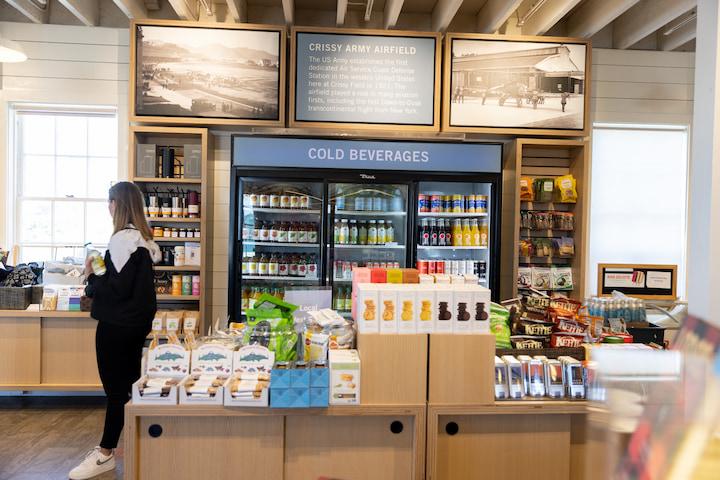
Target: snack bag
(526,189)
(544,188)
(566,188)
(499,325)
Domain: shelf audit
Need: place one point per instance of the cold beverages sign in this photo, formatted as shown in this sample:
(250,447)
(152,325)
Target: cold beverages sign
(365,79)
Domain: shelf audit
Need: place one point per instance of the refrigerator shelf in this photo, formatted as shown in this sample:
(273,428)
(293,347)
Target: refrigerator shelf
(451,215)
(376,247)
(303,211)
(276,278)
(253,243)
(370,213)
(341,280)
(425,247)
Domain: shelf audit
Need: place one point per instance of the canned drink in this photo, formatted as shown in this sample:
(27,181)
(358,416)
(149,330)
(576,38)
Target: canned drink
(383,265)
(481,203)
(274,201)
(284,201)
(422,266)
(431,266)
(470,267)
(294,201)
(482,269)
(458,203)
(446,203)
(305,201)
(440,266)
(470,203)
(263,200)
(396,264)
(423,204)
(436,203)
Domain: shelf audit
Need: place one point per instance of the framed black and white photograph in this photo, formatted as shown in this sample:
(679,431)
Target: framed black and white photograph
(199,74)
(533,85)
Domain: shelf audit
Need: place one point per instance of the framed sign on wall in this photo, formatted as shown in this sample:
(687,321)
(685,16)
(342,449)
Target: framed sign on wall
(658,282)
(210,74)
(365,79)
(516,85)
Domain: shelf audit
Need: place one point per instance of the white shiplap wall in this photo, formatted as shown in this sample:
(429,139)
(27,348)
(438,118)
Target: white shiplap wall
(66,65)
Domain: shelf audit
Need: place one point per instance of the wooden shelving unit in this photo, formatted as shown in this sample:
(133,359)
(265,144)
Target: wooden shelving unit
(530,157)
(179,137)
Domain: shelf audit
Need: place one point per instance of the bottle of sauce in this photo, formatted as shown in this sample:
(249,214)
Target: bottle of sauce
(283,232)
(273,265)
(475,231)
(283,266)
(353,232)
(372,235)
(457,234)
(344,232)
(274,231)
(466,233)
(381,232)
(389,232)
(245,265)
(362,234)
(293,233)
(263,265)
(252,265)
(433,233)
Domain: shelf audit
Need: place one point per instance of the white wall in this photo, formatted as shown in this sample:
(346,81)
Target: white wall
(66,65)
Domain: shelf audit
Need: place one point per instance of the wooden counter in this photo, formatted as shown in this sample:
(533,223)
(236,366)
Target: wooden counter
(348,442)
(47,350)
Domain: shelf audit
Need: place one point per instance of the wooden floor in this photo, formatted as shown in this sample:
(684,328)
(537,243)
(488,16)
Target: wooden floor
(44,438)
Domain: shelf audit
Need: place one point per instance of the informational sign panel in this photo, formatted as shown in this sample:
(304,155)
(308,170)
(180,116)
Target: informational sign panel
(264,152)
(642,281)
(366,79)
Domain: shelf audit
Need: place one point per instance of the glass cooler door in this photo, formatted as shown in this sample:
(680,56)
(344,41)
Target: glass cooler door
(453,229)
(367,228)
(280,241)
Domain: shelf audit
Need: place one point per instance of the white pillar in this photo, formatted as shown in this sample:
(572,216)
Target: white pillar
(704,202)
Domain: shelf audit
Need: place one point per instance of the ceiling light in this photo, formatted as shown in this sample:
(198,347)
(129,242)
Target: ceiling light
(532,11)
(681,23)
(11,52)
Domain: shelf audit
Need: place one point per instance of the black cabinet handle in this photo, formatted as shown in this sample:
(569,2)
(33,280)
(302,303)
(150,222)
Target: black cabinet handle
(155,430)
(452,428)
(396,427)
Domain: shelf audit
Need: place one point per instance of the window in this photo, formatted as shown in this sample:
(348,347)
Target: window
(64,162)
(638,208)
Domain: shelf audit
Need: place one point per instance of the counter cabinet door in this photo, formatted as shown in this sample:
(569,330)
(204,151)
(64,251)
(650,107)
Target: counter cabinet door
(349,448)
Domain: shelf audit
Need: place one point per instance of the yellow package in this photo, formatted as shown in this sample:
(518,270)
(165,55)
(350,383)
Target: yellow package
(566,188)
(526,189)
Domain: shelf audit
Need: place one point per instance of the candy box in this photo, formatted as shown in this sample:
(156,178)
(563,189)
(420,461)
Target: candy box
(425,308)
(444,308)
(344,377)
(410,275)
(394,275)
(367,316)
(388,304)
(378,275)
(480,310)
(462,306)
(408,314)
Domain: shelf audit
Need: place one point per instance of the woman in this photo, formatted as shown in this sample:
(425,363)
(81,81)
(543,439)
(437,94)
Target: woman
(124,304)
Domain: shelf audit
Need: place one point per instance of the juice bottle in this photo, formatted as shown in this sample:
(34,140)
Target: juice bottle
(348,299)
(274,265)
(457,234)
(389,232)
(372,235)
(339,303)
(344,232)
(381,232)
(336,231)
(362,234)
(353,232)
(283,233)
(475,231)
(466,233)
(293,233)
(263,265)
(483,233)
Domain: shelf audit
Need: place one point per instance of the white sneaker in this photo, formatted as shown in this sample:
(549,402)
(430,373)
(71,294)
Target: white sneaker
(94,464)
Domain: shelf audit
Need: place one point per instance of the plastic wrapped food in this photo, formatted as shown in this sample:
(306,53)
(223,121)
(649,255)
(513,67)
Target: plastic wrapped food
(566,189)
(500,325)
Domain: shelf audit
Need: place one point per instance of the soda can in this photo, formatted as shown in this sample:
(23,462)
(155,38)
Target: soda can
(481,203)
(440,266)
(458,203)
(431,267)
(383,265)
(447,203)
(396,264)
(422,266)
(436,204)
(423,204)
(470,203)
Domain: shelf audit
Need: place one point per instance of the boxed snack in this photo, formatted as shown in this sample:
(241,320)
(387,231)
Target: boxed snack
(541,278)
(480,311)
(378,275)
(49,299)
(457,279)
(360,275)
(408,315)
(344,377)
(425,279)
(167,365)
(410,275)
(442,278)
(248,386)
(554,379)
(501,384)
(516,388)
(463,302)
(192,254)
(425,308)
(561,278)
(574,377)
(367,313)
(387,301)
(443,303)
(394,275)
(524,279)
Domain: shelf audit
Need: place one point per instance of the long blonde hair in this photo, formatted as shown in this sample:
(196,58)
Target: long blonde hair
(129,208)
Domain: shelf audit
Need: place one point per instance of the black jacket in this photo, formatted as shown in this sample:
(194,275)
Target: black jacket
(126,298)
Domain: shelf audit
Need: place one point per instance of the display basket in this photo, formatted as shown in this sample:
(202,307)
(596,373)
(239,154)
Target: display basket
(15,298)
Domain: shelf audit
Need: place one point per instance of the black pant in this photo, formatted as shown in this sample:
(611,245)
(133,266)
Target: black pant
(119,355)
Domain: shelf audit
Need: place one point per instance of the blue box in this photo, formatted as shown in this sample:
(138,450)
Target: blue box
(280,378)
(319,377)
(319,397)
(289,397)
(300,377)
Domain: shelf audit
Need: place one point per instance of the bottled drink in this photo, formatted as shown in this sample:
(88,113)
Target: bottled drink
(381,232)
(283,232)
(466,233)
(475,231)
(397,202)
(362,234)
(389,232)
(441,236)
(348,300)
(312,270)
(293,233)
(283,266)
(344,232)
(340,200)
(457,234)
(448,233)
(293,263)
(302,266)
(245,261)
(339,303)
(424,233)
(256,230)
(252,265)
(312,236)
(274,232)
(273,265)
(302,233)
(263,265)
(433,233)
(353,232)
(336,231)
(484,233)
(372,233)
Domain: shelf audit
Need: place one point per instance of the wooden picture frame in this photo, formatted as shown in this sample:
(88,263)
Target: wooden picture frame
(447,97)
(434,127)
(602,267)
(139,117)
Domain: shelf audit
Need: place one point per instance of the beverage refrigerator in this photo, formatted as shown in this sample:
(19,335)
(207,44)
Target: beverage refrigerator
(305,211)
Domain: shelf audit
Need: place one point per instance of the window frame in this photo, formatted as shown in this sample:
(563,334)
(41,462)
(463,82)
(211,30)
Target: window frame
(15,195)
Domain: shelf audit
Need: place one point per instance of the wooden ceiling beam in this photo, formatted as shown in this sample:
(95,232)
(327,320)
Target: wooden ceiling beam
(551,12)
(594,15)
(30,10)
(646,17)
(494,14)
(288,7)
(392,12)
(183,9)
(238,10)
(341,11)
(443,13)
(678,38)
(87,11)
(132,8)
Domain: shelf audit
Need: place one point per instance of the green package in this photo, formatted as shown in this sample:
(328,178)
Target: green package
(500,325)
(272,329)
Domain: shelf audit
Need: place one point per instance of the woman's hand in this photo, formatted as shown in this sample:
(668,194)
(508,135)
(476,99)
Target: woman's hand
(88,267)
